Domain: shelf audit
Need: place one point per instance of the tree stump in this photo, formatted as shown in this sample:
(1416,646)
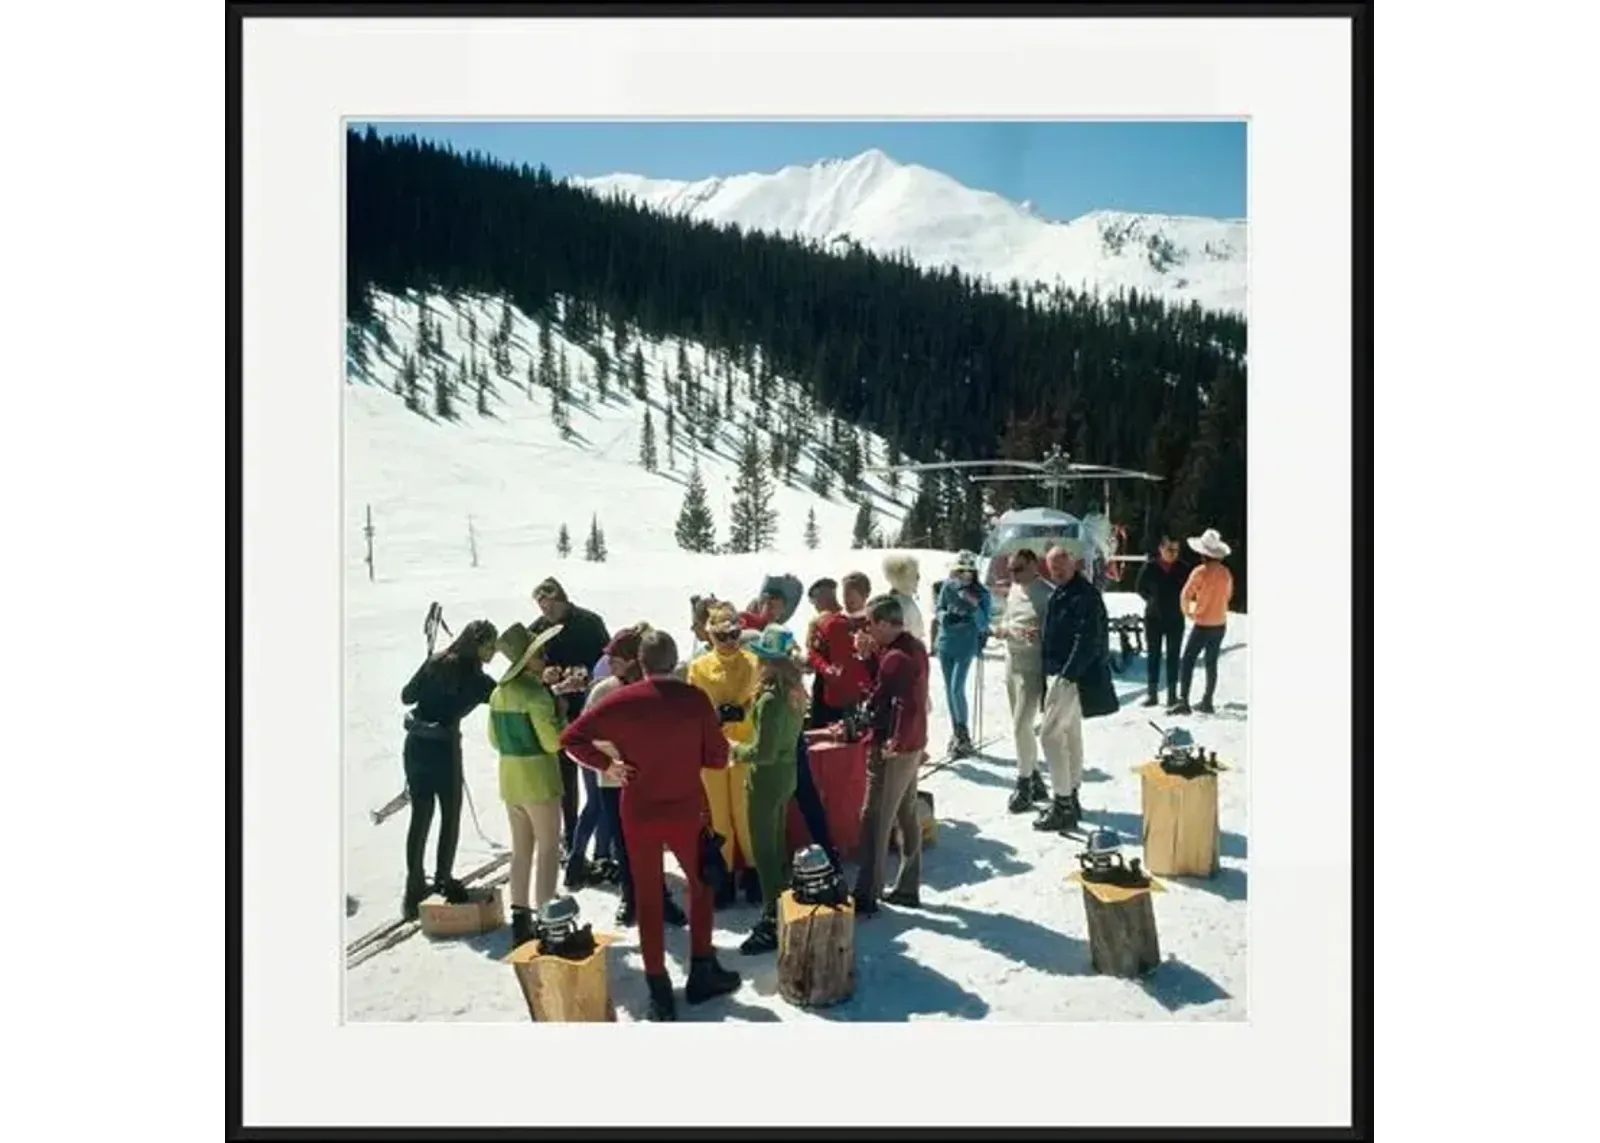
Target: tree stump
(816,952)
(1181,834)
(482,913)
(1122,927)
(561,991)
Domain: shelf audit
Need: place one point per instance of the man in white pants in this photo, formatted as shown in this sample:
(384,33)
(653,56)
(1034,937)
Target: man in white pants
(1072,640)
(1026,604)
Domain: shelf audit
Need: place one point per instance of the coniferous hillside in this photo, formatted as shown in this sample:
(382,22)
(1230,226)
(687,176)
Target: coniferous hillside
(939,364)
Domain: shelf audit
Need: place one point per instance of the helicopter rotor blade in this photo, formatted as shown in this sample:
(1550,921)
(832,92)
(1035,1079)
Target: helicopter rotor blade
(934,466)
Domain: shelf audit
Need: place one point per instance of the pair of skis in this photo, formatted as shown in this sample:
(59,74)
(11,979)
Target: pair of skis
(391,933)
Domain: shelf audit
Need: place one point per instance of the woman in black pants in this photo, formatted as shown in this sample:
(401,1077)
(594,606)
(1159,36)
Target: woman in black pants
(447,687)
(1160,584)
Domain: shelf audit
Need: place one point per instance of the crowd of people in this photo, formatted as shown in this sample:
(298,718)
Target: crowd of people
(675,753)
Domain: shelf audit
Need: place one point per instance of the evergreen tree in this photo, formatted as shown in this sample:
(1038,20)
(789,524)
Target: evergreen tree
(727,391)
(861,534)
(753,524)
(637,375)
(776,450)
(406,381)
(533,379)
(647,444)
(821,476)
(893,460)
(813,540)
(696,531)
(547,357)
(563,376)
(594,548)
(483,392)
(708,427)
(472,328)
(442,406)
(672,440)
(849,462)
(619,342)
(602,371)
(563,542)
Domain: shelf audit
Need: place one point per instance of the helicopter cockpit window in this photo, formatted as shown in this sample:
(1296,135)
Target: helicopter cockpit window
(1008,534)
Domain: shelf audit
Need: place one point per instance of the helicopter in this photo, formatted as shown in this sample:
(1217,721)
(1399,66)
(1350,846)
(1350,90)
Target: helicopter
(1094,540)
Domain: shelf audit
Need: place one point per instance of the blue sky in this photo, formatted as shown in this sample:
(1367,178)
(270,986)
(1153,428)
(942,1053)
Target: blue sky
(1064,169)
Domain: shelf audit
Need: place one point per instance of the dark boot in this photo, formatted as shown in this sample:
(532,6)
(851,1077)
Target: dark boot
(671,912)
(752,887)
(524,925)
(1061,815)
(1022,797)
(1040,793)
(580,875)
(1179,707)
(904,898)
(663,1008)
(764,937)
(451,890)
(627,917)
(1151,700)
(725,893)
(1204,707)
(963,746)
(708,980)
(416,890)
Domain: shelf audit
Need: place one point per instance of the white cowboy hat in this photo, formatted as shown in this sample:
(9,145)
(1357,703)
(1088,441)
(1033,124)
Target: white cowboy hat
(1209,543)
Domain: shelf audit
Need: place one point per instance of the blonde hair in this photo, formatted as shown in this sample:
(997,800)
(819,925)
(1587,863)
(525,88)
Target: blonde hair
(902,572)
(782,676)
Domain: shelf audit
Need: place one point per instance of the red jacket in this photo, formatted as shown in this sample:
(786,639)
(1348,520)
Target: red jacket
(833,644)
(752,621)
(898,704)
(667,731)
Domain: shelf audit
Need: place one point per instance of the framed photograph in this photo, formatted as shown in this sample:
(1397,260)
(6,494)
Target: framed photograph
(800,525)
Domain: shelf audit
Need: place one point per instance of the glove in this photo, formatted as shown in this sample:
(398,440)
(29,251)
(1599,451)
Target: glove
(727,712)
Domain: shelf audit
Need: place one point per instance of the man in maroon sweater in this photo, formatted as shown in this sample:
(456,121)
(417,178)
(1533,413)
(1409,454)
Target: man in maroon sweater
(897,704)
(659,733)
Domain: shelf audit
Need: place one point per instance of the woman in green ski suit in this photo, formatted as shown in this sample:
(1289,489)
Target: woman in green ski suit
(779,717)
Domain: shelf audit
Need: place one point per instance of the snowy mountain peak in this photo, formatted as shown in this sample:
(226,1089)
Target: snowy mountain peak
(889,207)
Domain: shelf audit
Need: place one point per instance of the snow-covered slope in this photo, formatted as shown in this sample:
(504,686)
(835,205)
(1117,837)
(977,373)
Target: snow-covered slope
(1000,936)
(888,206)
(505,483)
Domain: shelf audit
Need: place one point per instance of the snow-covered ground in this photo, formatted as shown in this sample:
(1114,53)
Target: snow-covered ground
(888,207)
(1001,934)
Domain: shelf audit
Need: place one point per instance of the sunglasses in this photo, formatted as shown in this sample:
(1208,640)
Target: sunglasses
(725,636)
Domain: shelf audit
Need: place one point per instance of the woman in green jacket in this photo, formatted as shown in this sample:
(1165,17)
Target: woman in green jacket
(778,717)
(525,725)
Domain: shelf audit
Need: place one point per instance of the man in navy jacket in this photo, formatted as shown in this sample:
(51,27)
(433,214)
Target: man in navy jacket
(1077,675)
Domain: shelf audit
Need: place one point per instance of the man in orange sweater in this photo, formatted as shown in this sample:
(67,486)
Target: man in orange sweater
(1205,598)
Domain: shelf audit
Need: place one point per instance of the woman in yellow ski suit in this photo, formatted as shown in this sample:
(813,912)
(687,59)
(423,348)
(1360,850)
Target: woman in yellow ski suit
(730,675)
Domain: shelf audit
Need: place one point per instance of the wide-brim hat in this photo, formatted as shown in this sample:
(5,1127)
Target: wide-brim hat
(516,644)
(774,642)
(1209,543)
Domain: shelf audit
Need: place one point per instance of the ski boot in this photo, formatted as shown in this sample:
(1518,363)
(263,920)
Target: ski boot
(1040,792)
(1022,797)
(1204,707)
(903,898)
(627,916)
(1060,816)
(764,937)
(1180,707)
(752,887)
(451,890)
(524,925)
(726,893)
(963,744)
(416,890)
(708,980)
(663,1009)
(1151,700)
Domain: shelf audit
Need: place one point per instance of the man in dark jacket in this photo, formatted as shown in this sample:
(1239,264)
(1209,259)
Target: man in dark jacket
(582,643)
(1159,584)
(1077,675)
